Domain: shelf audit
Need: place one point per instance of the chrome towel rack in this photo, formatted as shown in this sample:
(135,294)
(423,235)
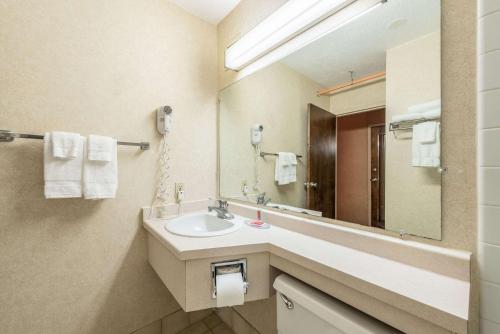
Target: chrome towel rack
(408,125)
(263,154)
(9,136)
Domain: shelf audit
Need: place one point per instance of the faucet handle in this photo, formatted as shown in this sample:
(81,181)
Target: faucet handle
(222,204)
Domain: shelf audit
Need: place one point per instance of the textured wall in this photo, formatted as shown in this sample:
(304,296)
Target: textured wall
(489,163)
(458,80)
(76,266)
(277,98)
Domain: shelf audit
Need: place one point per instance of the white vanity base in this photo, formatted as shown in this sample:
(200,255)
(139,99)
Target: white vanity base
(415,288)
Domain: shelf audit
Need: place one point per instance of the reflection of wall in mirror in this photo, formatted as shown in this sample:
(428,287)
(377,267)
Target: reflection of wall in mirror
(277,98)
(368,97)
(413,194)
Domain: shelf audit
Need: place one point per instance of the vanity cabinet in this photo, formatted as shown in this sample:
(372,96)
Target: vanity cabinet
(190,281)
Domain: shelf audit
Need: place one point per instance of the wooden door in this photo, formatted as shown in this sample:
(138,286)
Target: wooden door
(377,176)
(321,154)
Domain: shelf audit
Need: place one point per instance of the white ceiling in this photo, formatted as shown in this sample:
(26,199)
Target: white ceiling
(360,45)
(212,11)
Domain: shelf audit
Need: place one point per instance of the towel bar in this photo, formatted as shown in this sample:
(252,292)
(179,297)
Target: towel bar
(9,136)
(263,154)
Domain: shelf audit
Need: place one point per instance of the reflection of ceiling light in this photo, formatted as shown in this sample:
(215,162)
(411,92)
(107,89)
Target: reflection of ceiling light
(396,24)
(295,24)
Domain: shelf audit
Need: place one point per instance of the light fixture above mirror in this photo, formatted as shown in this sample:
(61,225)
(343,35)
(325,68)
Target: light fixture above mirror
(290,28)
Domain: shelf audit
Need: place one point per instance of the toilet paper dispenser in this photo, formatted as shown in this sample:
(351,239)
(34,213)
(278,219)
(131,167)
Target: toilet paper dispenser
(229,267)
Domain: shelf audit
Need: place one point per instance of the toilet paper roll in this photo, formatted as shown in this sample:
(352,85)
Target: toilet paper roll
(230,289)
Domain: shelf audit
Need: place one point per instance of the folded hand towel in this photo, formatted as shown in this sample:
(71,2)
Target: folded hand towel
(65,145)
(292,167)
(423,107)
(100,178)
(426,154)
(425,132)
(432,114)
(63,177)
(100,148)
(407,117)
(285,170)
(423,111)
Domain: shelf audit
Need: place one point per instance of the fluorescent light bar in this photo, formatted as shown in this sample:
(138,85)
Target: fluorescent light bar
(294,25)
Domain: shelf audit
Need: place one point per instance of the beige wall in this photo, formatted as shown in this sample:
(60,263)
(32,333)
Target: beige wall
(76,266)
(458,84)
(277,98)
(367,97)
(413,195)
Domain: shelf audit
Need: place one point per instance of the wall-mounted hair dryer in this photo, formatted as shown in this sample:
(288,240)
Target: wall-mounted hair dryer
(256,134)
(164,119)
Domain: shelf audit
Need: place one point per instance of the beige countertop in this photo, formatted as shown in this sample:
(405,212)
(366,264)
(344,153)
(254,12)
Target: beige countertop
(428,293)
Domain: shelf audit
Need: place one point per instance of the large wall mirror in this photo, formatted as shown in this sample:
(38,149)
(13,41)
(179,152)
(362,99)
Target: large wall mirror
(346,128)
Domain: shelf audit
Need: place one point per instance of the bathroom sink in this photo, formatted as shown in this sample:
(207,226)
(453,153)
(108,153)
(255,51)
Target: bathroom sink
(202,225)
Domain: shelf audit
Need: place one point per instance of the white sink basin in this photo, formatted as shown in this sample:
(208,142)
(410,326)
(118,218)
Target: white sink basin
(202,225)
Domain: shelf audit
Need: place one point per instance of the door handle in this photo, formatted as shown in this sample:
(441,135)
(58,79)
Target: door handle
(374,179)
(313,185)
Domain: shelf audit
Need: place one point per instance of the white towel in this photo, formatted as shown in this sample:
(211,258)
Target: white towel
(65,145)
(425,154)
(432,114)
(423,111)
(426,132)
(285,170)
(423,107)
(100,178)
(100,148)
(63,177)
(292,167)
(407,117)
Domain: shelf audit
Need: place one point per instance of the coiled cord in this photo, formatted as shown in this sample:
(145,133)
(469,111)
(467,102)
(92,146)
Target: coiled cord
(256,185)
(162,193)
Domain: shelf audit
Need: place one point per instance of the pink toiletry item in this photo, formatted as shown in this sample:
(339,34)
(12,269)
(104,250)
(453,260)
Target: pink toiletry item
(256,222)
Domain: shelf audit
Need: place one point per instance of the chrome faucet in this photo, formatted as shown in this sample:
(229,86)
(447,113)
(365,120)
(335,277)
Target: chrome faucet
(221,210)
(261,199)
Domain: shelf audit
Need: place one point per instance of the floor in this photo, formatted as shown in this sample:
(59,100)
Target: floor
(211,324)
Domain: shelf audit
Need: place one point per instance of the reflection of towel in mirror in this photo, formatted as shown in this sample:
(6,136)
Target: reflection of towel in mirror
(426,145)
(285,171)
(424,111)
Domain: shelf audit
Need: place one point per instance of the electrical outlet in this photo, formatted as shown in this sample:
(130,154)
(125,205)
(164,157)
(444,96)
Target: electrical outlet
(245,189)
(179,191)
(179,187)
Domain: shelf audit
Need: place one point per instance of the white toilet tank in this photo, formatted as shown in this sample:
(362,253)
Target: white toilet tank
(303,309)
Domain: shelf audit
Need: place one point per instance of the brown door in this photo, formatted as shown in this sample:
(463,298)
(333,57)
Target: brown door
(321,147)
(377,175)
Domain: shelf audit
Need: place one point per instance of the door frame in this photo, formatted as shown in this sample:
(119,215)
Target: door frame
(380,107)
(369,176)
